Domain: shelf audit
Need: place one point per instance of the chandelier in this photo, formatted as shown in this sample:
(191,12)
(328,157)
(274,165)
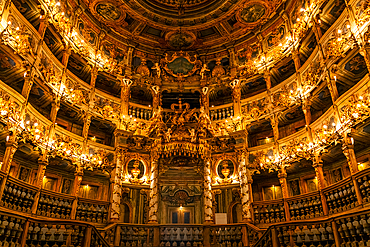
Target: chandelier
(17,38)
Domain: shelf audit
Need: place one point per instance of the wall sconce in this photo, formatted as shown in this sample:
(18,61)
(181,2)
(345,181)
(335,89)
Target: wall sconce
(360,166)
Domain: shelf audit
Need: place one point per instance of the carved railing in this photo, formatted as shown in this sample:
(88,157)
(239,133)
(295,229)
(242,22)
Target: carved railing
(341,196)
(363,180)
(268,212)
(347,230)
(55,205)
(137,111)
(140,235)
(227,236)
(221,113)
(18,196)
(22,231)
(306,206)
(184,235)
(92,211)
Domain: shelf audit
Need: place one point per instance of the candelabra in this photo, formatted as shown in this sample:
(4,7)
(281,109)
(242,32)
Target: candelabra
(34,132)
(356,111)
(66,148)
(17,38)
(291,153)
(292,97)
(336,46)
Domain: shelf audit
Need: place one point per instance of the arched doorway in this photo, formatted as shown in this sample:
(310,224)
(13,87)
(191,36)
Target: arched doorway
(125,216)
(236,213)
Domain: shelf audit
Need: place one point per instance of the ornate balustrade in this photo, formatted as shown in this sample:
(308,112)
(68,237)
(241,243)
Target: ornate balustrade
(18,196)
(140,112)
(22,197)
(363,180)
(55,205)
(341,196)
(306,206)
(26,231)
(184,235)
(348,230)
(221,112)
(92,211)
(11,229)
(269,212)
(227,236)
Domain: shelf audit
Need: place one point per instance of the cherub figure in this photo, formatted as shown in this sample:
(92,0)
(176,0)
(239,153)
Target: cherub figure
(203,71)
(168,135)
(192,135)
(157,69)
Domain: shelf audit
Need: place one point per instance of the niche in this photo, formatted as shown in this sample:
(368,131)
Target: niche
(272,193)
(236,213)
(89,191)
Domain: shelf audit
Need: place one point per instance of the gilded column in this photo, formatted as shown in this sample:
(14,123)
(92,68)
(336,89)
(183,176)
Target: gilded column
(11,147)
(331,81)
(76,190)
(130,53)
(44,23)
(65,56)
(28,83)
(317,165)
(153,203)
(85,131)
(306,107)
(233,64)
(94,75)
(267,77)
(316,27)
(296,59)
(245,184)
(282,175)
(235,85)
(274,120)
(55,105)
(42,162)
(207,192)
(348,150)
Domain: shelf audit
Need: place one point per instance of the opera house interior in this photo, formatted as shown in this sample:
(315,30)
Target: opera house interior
(197,123)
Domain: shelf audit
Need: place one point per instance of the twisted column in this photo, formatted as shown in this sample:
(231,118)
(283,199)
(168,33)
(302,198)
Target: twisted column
(153,203)
(244,188)
(207,193)
(116,183)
